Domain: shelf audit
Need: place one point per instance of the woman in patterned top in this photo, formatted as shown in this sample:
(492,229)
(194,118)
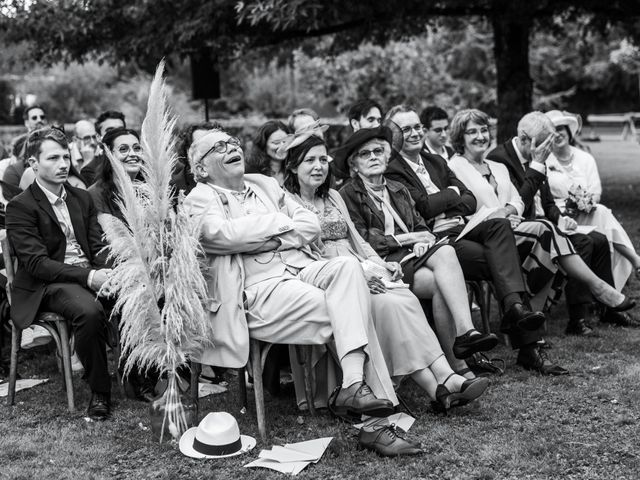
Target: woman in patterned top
(409,345)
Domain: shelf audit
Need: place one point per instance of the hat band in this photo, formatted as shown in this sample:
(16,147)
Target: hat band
(216,449)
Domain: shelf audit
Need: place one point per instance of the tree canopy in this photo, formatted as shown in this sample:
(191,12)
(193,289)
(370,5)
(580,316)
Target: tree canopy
(147,30)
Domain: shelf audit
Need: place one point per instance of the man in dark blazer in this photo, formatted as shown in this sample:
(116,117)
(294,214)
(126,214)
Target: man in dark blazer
(488,252)
(526,164)
(54,232)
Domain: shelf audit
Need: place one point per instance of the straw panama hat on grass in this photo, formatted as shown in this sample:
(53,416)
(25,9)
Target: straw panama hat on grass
(217,436)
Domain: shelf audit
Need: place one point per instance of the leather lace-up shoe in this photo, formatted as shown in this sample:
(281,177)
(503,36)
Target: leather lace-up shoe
(521,317)
(386,441)
(579,327)
(473,341)
(536,359)
(470,390)
(99,406)
(618,318)
(358,399)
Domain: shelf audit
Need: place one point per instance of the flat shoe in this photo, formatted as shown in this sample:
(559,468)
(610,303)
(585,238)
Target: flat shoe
(469,391)
(472,342)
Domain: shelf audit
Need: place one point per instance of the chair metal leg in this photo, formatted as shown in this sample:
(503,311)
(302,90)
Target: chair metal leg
(242,388)
(196,369)
(305,354)
(258,389)
(16,336)
(66,363)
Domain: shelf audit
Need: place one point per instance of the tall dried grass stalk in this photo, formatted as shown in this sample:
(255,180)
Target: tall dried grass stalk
(159,286)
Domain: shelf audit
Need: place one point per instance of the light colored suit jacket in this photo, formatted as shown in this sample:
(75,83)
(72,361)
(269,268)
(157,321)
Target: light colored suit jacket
(226,235)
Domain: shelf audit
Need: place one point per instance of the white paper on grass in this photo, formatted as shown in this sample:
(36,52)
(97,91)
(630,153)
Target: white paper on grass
(21,385)
(206,389)
(293,457)
(400,420)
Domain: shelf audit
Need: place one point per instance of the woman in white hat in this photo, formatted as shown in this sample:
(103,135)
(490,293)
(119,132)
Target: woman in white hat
(569,167)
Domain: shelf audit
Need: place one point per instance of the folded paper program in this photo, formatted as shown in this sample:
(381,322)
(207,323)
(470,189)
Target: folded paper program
(293,457)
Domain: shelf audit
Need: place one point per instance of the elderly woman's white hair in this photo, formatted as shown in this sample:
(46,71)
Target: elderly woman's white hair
(351,160)
(198,149)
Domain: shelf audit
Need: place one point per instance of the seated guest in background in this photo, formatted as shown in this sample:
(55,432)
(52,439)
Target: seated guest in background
(301,118)
(17,153)
(182,176)
(106,121)
(409,345)
(251,230)
(365,113)
(35,117)
(54,231)
(525,157)
(268,152)
(85,144)
(124,145)
(384,215)
(436,125)
(487,252)
(568,167)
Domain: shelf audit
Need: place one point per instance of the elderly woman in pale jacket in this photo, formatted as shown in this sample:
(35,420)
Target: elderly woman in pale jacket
(490,183)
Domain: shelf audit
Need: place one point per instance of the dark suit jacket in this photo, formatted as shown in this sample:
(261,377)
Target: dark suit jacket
(446,201)
(91,172)
(369,220)
(528,182)
(39,244)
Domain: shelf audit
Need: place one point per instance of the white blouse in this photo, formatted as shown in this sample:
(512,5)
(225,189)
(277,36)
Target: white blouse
(583,171)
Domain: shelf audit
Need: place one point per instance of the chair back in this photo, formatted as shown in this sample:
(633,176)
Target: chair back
(8,261)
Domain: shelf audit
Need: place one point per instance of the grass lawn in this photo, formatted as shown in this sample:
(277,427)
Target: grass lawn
(585,426)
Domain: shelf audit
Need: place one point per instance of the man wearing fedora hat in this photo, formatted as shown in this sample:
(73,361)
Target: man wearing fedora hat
(525,156)
(268,283)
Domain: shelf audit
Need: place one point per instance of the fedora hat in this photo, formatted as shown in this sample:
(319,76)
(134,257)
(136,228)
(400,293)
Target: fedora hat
(217,436)
(355,141)
(570,120)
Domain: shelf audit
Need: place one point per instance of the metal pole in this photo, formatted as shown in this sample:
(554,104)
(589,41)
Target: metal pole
(206,109)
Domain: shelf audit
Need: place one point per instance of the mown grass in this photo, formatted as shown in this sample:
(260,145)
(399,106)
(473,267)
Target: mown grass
(584,426)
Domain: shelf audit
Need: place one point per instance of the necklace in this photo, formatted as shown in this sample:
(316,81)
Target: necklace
(565,161)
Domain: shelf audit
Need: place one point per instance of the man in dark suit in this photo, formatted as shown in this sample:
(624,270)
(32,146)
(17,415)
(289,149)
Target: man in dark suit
(54,231)
(526,164)
(487,252)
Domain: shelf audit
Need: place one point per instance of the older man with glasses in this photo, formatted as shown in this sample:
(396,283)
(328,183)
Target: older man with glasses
(269,283)
(488,251)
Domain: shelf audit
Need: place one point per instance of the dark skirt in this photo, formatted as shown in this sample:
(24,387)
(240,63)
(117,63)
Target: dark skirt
(410,266)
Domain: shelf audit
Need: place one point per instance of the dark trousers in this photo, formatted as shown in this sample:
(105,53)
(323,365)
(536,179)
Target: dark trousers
(594,250)
(488,252)
(89,324)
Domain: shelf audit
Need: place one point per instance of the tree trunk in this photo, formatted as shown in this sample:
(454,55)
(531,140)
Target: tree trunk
(511,32)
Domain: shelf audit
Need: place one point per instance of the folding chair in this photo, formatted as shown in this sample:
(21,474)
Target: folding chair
(55,324)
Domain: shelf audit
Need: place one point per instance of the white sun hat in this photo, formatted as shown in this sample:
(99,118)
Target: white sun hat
(217,436)
(571,120)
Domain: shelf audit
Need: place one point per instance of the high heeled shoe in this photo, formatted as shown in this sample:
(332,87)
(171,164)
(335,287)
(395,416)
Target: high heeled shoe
(469,391)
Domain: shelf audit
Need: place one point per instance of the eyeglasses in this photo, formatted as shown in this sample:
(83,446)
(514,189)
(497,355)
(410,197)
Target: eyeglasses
(222,146)
(407,130)
(125,149)
(439,129)
(33,118)
(366,154)
(475,131)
